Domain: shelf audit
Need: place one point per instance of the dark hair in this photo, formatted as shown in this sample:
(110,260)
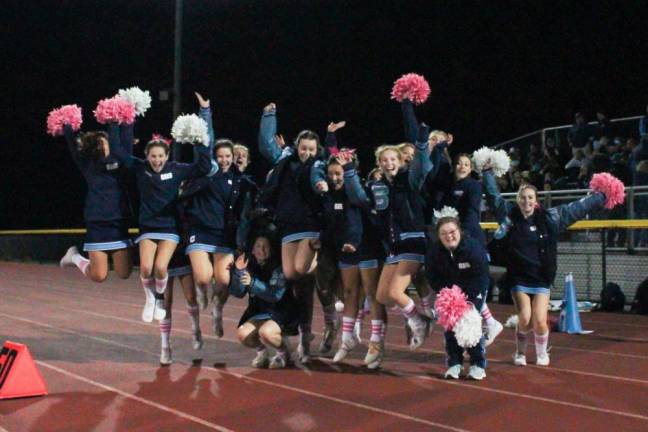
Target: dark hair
(224,143)
(156,143)
(90,144)
(309,135)
(455,160)
(447,219)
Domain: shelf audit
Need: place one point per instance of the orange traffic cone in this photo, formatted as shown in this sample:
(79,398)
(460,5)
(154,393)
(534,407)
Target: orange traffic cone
(18,374)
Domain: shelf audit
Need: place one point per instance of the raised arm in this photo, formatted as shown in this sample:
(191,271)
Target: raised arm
(127,137)
(500,207)
(409,121)
(118,150)
(268,145)
(318,177)
(566,214)
(421,164)
(201,167)
(73,147)
(205,113)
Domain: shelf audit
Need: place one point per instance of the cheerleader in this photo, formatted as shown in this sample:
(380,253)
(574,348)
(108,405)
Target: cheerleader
(459,260)
(288,192)
(106,209)
(529,234)
(397,201)
(215,215)
(241,156)
(158,181)
(271,314)
(454,186)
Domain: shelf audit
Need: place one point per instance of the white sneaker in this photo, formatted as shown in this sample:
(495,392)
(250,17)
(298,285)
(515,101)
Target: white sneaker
(201,298)
(149,306)
(519,359)
(217,321)
(420,330)
(542,360)
(159,312)
(165,356)
(375,354)
(261,359)
(453,372)
(66,261)
(330,331)
(492,331)
(477,373)
(344,349)
(303,349)
(197,340)
(279,360)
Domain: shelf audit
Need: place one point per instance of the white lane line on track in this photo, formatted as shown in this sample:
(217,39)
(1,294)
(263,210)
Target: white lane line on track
(244,377)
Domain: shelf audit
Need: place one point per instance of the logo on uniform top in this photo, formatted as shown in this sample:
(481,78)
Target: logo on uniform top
(533,228)
(229,182)
(166,176)
(112,166)
(458,193)
(338,206)
(192,239)
(479,296)
(464,265)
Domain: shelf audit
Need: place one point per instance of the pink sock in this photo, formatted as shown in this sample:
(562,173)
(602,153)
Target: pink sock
(161,284)
(165,332)
(347,328)
(81,262)
(410,311)
(376,330)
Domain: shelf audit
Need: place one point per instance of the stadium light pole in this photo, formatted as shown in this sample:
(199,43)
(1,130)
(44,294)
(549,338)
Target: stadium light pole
(177,71)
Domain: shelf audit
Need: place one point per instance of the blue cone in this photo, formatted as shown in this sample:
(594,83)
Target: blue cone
(569,316)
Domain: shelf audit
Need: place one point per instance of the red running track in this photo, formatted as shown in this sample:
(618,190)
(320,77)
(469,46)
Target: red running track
(101,366)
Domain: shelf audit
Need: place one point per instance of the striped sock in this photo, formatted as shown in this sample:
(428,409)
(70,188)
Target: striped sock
(377,331)
(428,301)
(521,341)
(194,316)
(161,284)
(383,331)
(147,283)
(486,314)
(541,341)
(81,262)
(329,314)
(410,311)
(347,328)
(165,332)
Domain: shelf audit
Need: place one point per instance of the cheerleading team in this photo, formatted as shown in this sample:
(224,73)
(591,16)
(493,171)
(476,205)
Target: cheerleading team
(456,259)
(529,234)
(158,182)
(106,212)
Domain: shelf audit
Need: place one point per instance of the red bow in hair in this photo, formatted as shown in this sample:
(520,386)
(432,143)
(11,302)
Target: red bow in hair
(158,137)
(346,153)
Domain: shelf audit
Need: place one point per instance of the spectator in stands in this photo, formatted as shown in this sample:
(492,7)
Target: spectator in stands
(639,165)
(643,124)
(580,133)
(601,159)
(603,126)
(551,170)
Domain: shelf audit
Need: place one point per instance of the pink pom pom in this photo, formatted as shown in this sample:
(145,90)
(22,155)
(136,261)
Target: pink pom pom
(610,186)
(67,114)
(116,110)
(411,86)
(451,304)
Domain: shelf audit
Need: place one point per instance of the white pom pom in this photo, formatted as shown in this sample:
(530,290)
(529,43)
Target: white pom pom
(468,330)
(138,97)
(481,157)
(498,159)
(512,321)
(446,211)
(190,128)
(501,162)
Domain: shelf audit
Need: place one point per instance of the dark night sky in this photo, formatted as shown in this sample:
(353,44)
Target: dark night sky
(497,70)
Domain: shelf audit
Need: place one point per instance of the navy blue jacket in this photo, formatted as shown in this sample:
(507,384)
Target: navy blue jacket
(466,267)
(287,191)
(532,243)
(106,198)
(399,204)
(158,191)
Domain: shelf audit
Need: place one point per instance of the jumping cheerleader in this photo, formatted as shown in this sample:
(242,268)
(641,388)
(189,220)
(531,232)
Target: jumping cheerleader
(459,260)
(454,187)
(106,208)
(357,250)
(271,314)
(158,181)
(214,215)
(530,236)
(288,190)
(396,198)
